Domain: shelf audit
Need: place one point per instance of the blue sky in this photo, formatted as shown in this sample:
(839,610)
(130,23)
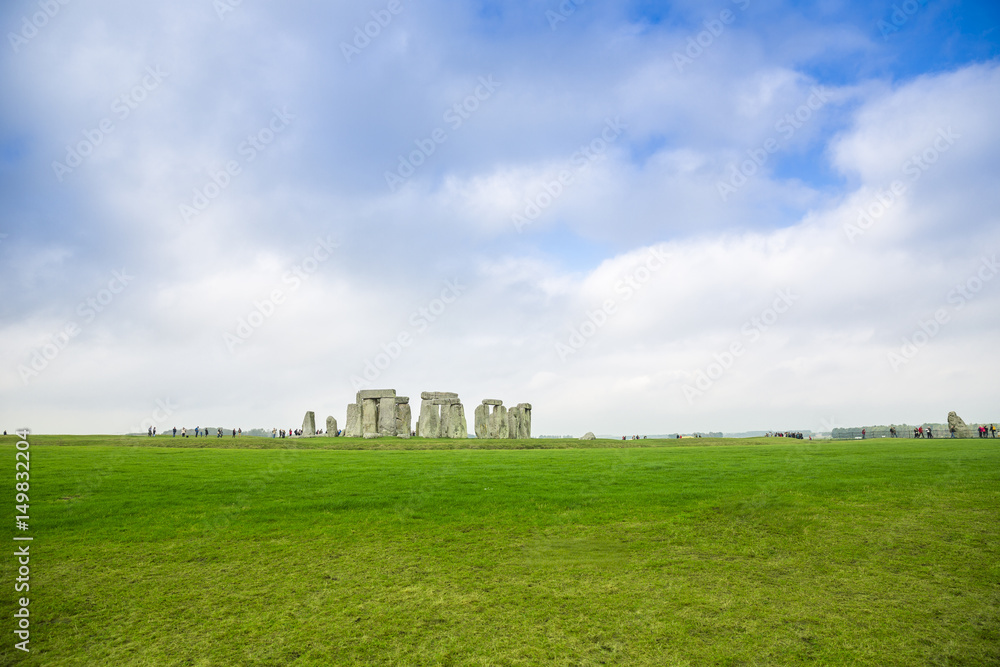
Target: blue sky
(167,170)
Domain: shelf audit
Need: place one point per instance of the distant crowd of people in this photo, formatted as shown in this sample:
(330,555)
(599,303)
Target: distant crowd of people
(785,434)
(199,431)
(634,437)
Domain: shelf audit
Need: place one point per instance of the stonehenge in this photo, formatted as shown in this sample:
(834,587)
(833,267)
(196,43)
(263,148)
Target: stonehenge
(442,415)
(378,413)
(493,420)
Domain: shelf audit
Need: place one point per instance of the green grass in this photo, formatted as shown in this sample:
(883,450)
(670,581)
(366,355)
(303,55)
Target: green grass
(762,552)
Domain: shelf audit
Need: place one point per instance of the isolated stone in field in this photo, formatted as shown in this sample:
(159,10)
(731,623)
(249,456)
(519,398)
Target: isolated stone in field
(309,424)
(352,425)
(331,427)
(962,430)
(589,435)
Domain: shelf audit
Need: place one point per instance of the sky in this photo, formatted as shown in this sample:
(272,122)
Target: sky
(640,217)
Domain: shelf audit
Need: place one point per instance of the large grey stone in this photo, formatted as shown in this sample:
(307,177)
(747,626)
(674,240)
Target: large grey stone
(458,427)
(482,413)
(513,420)
(589,435)
(403,419)
(492,401)
(402,399)
(962,430)
(369,416)
(331,427)
(387,416)
(497,425)
(431,395)
(524,421)
(429,421)
(309,424)
(444,430)
(352,425)
(376,393)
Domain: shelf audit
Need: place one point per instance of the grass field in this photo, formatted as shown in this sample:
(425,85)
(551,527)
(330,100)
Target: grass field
(765,552)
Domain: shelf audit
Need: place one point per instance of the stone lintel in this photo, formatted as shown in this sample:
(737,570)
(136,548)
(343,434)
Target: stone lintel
(492,401)
(376,393)
(431,395)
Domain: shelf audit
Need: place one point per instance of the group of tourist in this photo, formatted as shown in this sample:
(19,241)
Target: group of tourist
(282,433)
(785,434)
(990,432)
(634,437)
(199,431)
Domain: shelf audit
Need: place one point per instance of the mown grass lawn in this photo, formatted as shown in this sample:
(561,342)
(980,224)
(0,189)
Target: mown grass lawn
(767,552)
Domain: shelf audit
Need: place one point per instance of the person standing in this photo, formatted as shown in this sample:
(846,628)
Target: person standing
(184,431)
(175,432)
(863,432)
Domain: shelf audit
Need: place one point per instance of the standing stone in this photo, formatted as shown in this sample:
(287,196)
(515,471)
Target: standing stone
(403,417)
(309,424)
(429,422)
(962,430)
(482,414)
(442,415)
(524,421)
(387,416)
(331,427)
(369,417)
(513,422)
(352,425)
(497,425)
(459,427)
(589,435)
(445,429)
